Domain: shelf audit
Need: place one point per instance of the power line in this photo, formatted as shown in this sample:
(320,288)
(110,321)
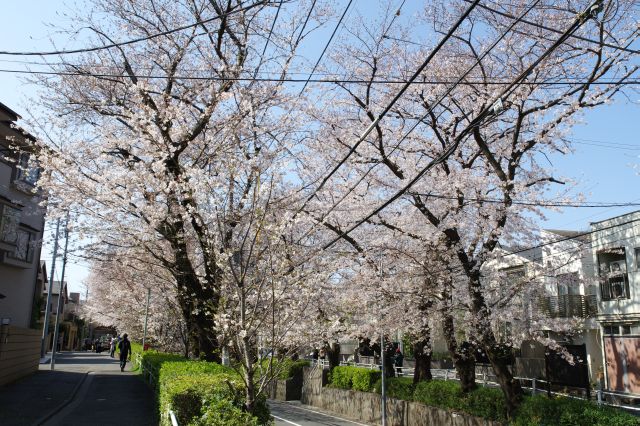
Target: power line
(486,112)
(573,237)
(326,46)
(564,82)
(544,27)
(387,108)
(136,40)
(434,104)
(536,203)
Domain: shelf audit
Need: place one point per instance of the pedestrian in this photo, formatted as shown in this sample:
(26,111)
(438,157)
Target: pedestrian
(112,346)
(125,351)
(98,348)
(397,361)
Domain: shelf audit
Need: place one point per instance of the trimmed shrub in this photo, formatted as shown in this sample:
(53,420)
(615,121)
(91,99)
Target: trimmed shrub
(169,369)
(284,369)
(442,394)
(154,360)
(341,377)
(210,399)
(541,411)
(363,379)
(397,387)
(487,403)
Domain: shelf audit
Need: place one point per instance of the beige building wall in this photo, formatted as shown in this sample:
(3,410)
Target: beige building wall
(19,352)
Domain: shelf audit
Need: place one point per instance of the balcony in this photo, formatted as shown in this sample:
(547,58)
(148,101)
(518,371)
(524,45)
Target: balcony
(568,306)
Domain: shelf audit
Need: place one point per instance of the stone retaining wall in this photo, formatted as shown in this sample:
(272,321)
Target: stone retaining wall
(366,407)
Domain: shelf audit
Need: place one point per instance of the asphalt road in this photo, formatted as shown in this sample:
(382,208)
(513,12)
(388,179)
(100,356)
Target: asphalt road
(292,413)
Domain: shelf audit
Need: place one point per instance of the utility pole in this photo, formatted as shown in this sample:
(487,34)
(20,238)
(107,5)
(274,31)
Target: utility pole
(60,299)
(146,317)
(47,310)
(383,391)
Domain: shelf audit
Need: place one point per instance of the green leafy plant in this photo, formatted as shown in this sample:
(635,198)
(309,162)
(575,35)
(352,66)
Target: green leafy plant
(541,411)
(396,387)
(487,403)
(363,379)
(442,394)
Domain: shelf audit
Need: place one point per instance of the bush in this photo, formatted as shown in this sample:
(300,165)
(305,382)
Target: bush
(363,379)
(487,403)
(541,411)
(284,369)
(341,377)
(442,394)
(396,387)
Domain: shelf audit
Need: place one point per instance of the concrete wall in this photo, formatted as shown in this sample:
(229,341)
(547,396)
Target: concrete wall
(366,407)
(19,353)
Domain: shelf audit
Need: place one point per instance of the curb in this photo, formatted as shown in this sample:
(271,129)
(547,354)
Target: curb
(64,403)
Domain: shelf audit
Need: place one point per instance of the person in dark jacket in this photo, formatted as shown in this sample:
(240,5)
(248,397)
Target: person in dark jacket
(125,351)
(397,361)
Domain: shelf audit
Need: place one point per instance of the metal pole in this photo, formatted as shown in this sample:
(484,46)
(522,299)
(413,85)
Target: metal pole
(60,301)
(383,391)
(47,310)
(146,316)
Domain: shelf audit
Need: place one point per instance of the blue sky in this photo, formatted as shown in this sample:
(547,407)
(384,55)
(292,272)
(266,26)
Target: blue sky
(607,148)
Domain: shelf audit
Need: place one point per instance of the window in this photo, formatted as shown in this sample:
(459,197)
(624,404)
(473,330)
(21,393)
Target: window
(9,219)
(27,171)
(637,256)
(568,284)
(24,246)
(615,287)
(626,329)
(610,329)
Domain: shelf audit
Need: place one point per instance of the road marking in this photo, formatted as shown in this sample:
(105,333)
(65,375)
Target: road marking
(285,420)
(325,414)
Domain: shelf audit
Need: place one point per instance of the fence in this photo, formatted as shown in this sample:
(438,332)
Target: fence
(602,397)
(19,352)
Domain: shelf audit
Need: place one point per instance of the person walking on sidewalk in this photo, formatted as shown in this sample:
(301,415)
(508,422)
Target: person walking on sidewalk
(125,351)
(112,346)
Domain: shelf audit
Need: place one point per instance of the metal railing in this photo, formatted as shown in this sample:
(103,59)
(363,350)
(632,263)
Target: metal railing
(568,306)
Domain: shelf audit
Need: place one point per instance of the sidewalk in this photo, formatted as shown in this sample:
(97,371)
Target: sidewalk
(85,388)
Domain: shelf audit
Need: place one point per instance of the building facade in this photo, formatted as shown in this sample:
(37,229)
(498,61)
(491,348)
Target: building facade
(21,231)
(21,223)
(616,258)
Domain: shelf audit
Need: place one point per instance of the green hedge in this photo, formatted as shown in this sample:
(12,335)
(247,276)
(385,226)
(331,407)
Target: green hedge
(356,378)
(201,393)
(396,387)
(209,399)
(438,393)
(541,411)
(285,368)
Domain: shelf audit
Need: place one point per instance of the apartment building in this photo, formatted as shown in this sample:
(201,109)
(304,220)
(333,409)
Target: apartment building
(21,231)
(616,256)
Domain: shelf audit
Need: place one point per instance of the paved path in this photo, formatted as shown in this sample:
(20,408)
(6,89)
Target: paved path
(292,413)
(85,389)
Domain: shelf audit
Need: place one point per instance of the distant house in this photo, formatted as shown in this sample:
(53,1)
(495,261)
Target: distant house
(551,283)
(21,231)
(616,258)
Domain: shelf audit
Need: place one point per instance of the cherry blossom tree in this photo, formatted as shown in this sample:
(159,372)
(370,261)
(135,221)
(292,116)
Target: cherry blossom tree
(463,152)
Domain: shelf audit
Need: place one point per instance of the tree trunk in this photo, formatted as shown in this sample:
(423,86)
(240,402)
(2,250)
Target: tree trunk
(422,354)
(511,388)
(461,355)
(332,352)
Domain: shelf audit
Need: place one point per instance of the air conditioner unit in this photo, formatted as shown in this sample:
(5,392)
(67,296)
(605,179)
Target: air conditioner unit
(618,266)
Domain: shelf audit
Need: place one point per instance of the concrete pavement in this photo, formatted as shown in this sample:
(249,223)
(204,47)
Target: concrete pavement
(85,389)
